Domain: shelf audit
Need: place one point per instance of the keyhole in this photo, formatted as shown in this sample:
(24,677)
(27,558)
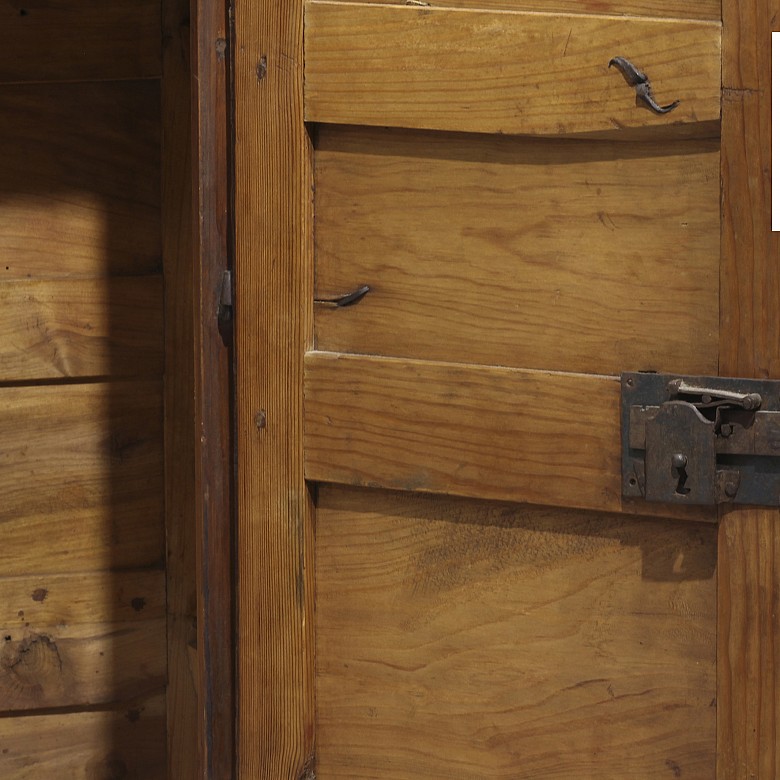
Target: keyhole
(679,464)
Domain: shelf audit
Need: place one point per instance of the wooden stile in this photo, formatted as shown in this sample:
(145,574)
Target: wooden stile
(184,734)
(448,69)
(749,539)
(273,263)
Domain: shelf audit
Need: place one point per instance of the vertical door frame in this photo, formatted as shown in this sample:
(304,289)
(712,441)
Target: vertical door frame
(274,282)
(748,730)
(214,482)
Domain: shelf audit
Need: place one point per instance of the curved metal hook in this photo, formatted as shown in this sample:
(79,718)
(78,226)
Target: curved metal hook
(639,80)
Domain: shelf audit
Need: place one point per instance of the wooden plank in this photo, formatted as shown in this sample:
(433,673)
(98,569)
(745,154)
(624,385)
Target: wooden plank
(480,431)
(502,72)
(82,639)
(81,328)
(274,264)
(81,477)
(676,9)
(473,639)
(214,508)
(127,742)
(749,542)
(184,727)
(79,198)
(567,255)
(76,40)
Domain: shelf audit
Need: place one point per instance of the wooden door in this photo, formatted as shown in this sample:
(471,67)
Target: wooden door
(437,575)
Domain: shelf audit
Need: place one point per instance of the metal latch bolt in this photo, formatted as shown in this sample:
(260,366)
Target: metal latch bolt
(701,440)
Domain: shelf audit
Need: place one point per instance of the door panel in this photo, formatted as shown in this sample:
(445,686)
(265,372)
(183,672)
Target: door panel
(467,639)
(432,537)
(582,256)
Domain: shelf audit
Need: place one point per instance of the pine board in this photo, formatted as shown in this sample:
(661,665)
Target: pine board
(567,255)
(79,180)
(81,477)
(502,72)
(472,640)
(79,40)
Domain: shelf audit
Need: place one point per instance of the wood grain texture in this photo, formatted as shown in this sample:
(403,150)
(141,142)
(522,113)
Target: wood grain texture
(81,328)
(81,639)
(749,542)
(676,9)
(81,477)
(502,72)
(214,453)
(479,431)
(79,198)
(76,40)
(127,742)
(472,639)
(273,263)
(182,705)
(567,255)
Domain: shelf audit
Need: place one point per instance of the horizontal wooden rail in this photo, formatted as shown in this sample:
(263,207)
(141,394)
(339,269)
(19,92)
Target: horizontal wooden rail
(468,430)
(503,72)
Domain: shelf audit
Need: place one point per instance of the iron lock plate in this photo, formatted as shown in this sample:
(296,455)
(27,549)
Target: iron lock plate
(700,440)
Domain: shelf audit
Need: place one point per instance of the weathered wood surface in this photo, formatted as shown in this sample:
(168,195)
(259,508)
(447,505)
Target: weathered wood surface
(184,725)
(79,197)
(502,72)
(123,743)
(273,260)
(79,40)
(80,639)
(479,431)
(81,328)
(214,504)
(565,255)
(749,542)
(81,477)
(676,9)
(471,639)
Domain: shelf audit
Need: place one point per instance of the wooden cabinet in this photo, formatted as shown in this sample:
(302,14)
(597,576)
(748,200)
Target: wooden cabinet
(437,573)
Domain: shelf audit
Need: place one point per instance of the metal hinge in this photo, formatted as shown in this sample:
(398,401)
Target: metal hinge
(701,440)
(225,308)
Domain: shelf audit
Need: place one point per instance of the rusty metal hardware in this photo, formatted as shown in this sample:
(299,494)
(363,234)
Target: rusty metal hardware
(700,440)
(641,83)
(225,306)
(347,299)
